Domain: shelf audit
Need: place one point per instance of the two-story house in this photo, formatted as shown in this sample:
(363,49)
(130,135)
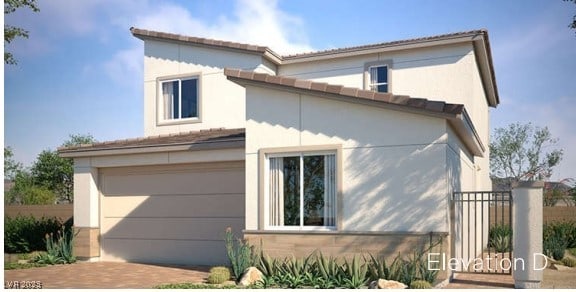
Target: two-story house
(347,150)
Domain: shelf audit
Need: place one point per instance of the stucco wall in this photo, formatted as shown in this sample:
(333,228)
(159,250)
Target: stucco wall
(447,73)
(221,101)
(394,163)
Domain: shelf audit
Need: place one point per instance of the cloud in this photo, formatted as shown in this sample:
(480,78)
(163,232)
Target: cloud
(125,63)
(257,22)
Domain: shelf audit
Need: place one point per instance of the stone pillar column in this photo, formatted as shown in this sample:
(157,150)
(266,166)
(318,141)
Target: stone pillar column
(527,228)
(86,210)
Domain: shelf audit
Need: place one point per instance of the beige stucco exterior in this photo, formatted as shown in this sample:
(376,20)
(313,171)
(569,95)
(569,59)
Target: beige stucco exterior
(221,103)
(110,189)
(396,169)
(394,163)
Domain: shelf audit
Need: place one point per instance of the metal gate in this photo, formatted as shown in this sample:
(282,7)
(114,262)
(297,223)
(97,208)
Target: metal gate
(482,232)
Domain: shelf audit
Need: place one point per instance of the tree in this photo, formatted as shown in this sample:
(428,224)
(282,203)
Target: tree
(57,173)
(573,24)
(11,32)
(11,167)
(54,173)
(26,192)
(518,153)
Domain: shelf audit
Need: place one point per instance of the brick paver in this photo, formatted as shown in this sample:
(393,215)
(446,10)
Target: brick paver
(481,281)
(106,275)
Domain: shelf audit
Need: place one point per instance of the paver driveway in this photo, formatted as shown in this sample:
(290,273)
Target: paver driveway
(106,275)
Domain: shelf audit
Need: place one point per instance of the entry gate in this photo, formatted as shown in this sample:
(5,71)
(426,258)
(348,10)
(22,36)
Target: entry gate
(482,233)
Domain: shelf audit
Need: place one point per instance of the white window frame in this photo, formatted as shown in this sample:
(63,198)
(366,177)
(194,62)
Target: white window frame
(367,77)
(160,104)
(301,227)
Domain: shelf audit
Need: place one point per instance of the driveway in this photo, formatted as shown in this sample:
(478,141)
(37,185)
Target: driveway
(104,275)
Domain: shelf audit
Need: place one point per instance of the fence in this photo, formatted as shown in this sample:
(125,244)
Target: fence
(62,211)
(550,214)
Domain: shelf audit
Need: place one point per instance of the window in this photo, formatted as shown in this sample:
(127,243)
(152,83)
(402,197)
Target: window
(379,78)
(301,191)
(180,98)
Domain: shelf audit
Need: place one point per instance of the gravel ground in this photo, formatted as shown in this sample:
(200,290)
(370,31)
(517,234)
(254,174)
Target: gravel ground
(554,279)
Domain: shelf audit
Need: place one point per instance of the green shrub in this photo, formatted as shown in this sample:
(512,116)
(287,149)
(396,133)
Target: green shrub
(23,234)
(500,238)
(569,262)
(566,230)
(321,272)
(354,274)
(403,269)
(240,254)
(218,275)
(18,266)
(59,248)
(195,286)
(420,284)
(555,246)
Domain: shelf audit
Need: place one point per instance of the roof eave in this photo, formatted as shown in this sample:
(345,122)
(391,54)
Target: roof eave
(483,55)
(465,129)
(178,39)
(343,98)
(146,149)
(386,47)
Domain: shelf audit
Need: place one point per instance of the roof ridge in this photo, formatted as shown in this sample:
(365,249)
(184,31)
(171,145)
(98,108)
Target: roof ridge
(388,43)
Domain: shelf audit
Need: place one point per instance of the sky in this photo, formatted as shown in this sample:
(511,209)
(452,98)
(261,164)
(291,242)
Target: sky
(80,71)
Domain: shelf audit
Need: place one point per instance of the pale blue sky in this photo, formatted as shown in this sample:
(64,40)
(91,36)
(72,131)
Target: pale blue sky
(81,70)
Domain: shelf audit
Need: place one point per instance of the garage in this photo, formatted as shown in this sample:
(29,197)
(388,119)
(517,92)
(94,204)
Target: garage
(174,214)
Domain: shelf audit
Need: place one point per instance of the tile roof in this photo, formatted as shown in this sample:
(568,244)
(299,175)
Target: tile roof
(349,92)
(189,138)
(388,44)
(143,33)
(479,37)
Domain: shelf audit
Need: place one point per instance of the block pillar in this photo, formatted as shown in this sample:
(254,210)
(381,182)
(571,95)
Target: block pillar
(527,228)
(86,210)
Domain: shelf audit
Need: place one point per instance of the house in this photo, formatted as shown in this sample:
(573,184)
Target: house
(348,150)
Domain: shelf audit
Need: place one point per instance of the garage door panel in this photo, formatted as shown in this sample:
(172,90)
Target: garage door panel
(212,205)
(184,252)
(182,183)
(169,228)
(170,213)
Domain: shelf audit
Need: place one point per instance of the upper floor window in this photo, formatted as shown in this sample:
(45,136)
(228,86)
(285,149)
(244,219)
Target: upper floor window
(180,98)
(301,192)
(379,78)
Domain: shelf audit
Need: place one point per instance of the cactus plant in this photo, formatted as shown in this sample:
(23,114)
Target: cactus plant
(420,284)
(218,275)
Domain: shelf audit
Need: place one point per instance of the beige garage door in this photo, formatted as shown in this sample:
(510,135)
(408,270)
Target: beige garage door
(170,214)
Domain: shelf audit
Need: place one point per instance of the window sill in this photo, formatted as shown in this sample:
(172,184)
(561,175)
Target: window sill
(179,122)
(336,232)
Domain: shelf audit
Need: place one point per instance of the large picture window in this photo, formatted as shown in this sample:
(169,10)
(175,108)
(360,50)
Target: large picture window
(180,98)
(302,191)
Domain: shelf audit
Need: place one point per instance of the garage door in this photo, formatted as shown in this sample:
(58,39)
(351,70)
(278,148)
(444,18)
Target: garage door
(170,214)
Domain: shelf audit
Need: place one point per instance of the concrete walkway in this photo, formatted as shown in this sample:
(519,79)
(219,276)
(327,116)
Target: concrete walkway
(105,275)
